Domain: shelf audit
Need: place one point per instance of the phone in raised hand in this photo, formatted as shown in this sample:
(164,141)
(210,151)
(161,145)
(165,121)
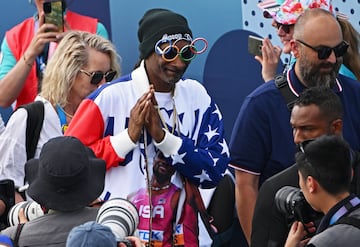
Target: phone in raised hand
(254,45)
(53,10)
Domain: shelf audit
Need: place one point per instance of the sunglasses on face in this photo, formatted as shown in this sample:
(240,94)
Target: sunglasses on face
(97,76)
(171,52)
(324,51)
(186,53)
(284,27)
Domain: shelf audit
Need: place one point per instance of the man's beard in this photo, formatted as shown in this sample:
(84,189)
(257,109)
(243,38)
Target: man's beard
(313,77)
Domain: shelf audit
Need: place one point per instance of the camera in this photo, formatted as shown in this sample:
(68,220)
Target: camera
(121,216)
(7,195)
(291,202)
(32,210)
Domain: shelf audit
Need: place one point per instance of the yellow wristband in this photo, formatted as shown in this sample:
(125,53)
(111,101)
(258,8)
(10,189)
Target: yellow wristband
(28,64)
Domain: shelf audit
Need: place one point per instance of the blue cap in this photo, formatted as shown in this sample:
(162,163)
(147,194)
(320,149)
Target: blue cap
(91,234)
(6,241)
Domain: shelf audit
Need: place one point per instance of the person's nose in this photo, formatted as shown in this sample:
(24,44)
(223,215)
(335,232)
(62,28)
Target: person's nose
(179,62)
(298,136)
(332,58)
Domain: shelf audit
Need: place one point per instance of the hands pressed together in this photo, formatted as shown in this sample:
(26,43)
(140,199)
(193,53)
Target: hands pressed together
(145,114)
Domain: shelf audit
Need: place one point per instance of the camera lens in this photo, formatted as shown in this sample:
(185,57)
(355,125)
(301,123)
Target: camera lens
(32,210)
(120,215)
(285,199)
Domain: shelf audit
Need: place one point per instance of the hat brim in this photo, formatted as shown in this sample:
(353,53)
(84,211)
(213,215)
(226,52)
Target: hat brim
(269,14)
(80,196)
(269,9)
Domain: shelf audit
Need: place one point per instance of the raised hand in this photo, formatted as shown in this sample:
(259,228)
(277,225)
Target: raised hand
(269,60)
(138,114)
(152,121)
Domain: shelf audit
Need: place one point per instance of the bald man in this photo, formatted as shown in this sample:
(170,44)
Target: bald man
(262,141)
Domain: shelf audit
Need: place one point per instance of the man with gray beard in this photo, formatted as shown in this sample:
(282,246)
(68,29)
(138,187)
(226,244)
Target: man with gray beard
(262,143)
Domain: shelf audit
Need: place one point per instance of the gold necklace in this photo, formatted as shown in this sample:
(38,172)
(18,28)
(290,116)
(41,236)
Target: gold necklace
(68,115)
(148,181)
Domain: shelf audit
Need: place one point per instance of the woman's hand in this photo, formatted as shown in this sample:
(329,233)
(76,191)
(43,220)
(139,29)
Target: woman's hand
(269,60)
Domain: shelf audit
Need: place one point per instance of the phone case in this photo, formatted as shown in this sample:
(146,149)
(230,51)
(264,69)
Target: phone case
(255,45)
(54,14)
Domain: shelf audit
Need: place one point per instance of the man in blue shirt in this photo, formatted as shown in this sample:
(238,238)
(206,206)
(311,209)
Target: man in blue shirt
(262,142)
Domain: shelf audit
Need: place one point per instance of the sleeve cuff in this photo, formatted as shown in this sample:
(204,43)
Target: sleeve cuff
(169,145)
(122,143)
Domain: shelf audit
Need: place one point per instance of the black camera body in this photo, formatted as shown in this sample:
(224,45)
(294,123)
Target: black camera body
(291,202)
(7,195)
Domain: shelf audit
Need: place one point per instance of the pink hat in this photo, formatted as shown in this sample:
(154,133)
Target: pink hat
(290,10)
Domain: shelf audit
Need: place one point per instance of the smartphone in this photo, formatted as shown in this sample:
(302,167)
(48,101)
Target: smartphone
(54,13)
(255,45)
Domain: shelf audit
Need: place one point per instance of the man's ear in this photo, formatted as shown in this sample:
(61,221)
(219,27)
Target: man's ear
(337,127)
(295,48)
(311,184)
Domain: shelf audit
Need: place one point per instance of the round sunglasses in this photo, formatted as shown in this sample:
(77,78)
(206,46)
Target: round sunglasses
(97,76)
(186,53)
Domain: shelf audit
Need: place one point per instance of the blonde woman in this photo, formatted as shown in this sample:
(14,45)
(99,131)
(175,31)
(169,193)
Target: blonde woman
(81,63)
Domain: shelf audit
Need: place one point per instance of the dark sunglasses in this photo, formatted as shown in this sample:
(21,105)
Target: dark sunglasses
(284,27)
(97,76)
(324,51)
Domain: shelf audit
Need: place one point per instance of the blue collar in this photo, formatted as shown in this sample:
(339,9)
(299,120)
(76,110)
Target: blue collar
(297,87)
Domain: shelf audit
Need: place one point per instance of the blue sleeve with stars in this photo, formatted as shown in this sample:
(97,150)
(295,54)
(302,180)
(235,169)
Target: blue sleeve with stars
(205,160)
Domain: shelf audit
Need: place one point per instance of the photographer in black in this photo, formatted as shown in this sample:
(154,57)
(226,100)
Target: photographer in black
(7,200)
(325,173)
(318,111)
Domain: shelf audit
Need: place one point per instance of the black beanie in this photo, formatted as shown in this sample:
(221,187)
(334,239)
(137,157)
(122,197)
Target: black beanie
(157,22)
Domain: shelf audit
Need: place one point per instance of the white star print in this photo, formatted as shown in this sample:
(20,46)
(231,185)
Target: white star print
(217,111)
(203,176)
(225,147)
(178,158)
(214,159)
(211,133)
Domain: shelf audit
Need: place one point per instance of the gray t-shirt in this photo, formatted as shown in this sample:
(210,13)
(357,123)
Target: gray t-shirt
(51,229)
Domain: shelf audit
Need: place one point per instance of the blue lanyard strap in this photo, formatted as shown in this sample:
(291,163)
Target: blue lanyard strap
(62,117)
(344,209)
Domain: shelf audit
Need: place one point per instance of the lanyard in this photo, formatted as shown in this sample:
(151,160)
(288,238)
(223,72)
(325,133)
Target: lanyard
(62,117)
(344,209)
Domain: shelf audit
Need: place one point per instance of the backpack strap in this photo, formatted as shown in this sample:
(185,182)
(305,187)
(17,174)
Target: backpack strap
(355,182)
(17,234)
(282,84)
(33,126)
(348,220)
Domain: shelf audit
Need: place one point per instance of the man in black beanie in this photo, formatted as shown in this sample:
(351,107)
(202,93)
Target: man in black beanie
(155,108)
(156,23)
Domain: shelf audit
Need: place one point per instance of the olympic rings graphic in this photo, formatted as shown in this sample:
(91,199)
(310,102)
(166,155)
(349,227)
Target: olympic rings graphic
(186,53)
